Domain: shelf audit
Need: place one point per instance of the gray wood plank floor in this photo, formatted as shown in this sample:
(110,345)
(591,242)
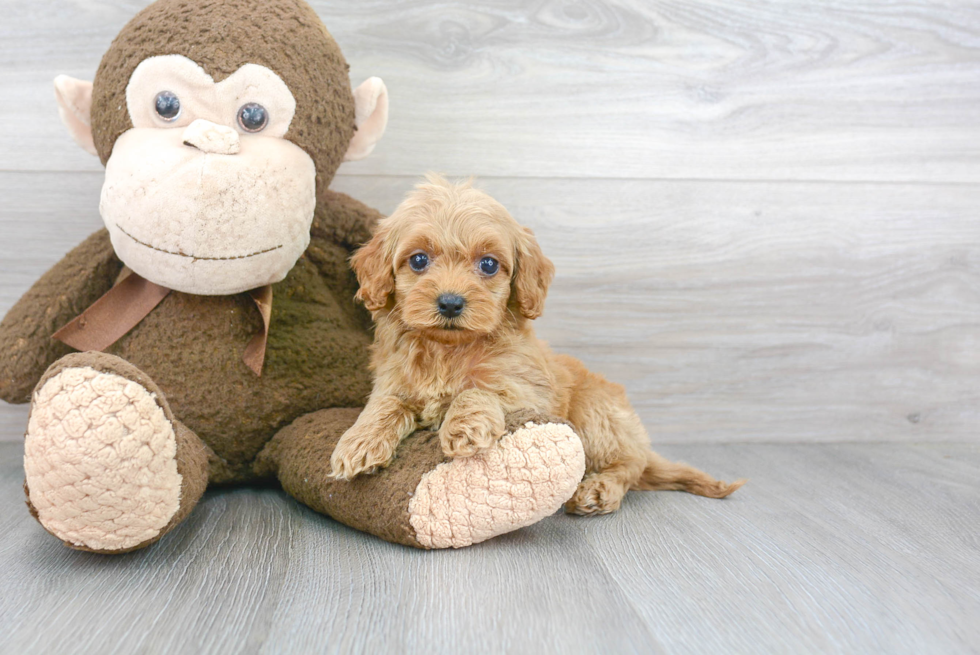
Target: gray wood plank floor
(844,548)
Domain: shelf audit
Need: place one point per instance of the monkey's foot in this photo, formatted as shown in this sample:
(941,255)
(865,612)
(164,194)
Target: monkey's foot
(421,499)
(101,456)
(520,480)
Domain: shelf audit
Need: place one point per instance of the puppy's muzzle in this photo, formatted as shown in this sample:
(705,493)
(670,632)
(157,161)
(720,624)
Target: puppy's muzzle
(451,305)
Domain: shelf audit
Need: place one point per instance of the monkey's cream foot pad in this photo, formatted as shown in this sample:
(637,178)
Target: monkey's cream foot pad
(100,460)
(527,476)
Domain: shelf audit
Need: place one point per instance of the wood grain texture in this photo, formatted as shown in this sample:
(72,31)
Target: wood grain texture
(13,422)
(840,90)
(828,549)
(732,311)
(42,217)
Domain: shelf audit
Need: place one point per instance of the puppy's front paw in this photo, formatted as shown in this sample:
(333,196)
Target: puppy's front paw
(465,436)
(595,495)
(359,452)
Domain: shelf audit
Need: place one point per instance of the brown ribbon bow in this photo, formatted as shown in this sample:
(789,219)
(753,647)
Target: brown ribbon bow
(130,301)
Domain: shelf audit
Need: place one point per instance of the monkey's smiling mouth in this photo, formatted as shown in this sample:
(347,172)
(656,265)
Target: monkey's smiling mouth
(184,254)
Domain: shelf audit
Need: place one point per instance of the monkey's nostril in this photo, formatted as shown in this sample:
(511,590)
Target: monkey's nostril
(451,305)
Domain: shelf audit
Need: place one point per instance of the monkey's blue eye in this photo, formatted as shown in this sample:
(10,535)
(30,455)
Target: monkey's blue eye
(253,117)
(419,262)
(167,105)
(489,266)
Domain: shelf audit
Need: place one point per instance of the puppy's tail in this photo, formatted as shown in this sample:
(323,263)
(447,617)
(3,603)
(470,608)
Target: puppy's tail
(661,473)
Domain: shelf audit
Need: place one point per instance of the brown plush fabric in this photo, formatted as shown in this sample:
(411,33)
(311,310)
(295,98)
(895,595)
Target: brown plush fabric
(341,219)
(114,314)
(61,294)
(191,345)
(300,457)
(192,465)
(317,356)
(519,419)
(285,36)
(192,454)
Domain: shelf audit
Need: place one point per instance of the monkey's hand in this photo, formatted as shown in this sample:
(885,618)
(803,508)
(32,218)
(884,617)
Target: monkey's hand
(61,294)
(474,422)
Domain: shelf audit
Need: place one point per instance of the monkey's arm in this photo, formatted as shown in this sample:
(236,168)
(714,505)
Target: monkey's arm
(342,220)
(61,294)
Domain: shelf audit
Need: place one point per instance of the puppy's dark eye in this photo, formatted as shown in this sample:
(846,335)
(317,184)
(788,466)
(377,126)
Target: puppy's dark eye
(419,262)
(489,266)
(167,105)
(253,117)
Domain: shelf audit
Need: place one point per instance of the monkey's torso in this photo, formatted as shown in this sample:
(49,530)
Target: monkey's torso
(192,345)
(317,356)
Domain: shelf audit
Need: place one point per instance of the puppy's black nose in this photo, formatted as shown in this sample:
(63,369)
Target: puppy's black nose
(451,305)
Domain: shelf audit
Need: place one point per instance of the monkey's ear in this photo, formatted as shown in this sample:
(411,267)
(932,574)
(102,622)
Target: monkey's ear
(375,272)
(533,275)
(370,116)
(75,108)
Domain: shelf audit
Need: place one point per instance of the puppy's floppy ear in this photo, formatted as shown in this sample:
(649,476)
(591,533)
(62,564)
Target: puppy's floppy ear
(374,268)
(532,276)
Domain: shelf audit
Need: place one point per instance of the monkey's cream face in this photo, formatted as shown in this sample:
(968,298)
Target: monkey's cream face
(203,194)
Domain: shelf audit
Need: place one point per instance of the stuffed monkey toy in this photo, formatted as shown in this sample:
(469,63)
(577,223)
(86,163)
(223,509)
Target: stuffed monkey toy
(208,334)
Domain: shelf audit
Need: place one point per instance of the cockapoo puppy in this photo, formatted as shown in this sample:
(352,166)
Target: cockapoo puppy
(453,283)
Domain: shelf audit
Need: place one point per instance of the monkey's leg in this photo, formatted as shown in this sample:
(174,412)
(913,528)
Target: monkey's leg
(423,499)
(108,467)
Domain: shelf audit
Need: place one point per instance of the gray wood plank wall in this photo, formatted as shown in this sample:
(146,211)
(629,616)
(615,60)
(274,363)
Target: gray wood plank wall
(764,215)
